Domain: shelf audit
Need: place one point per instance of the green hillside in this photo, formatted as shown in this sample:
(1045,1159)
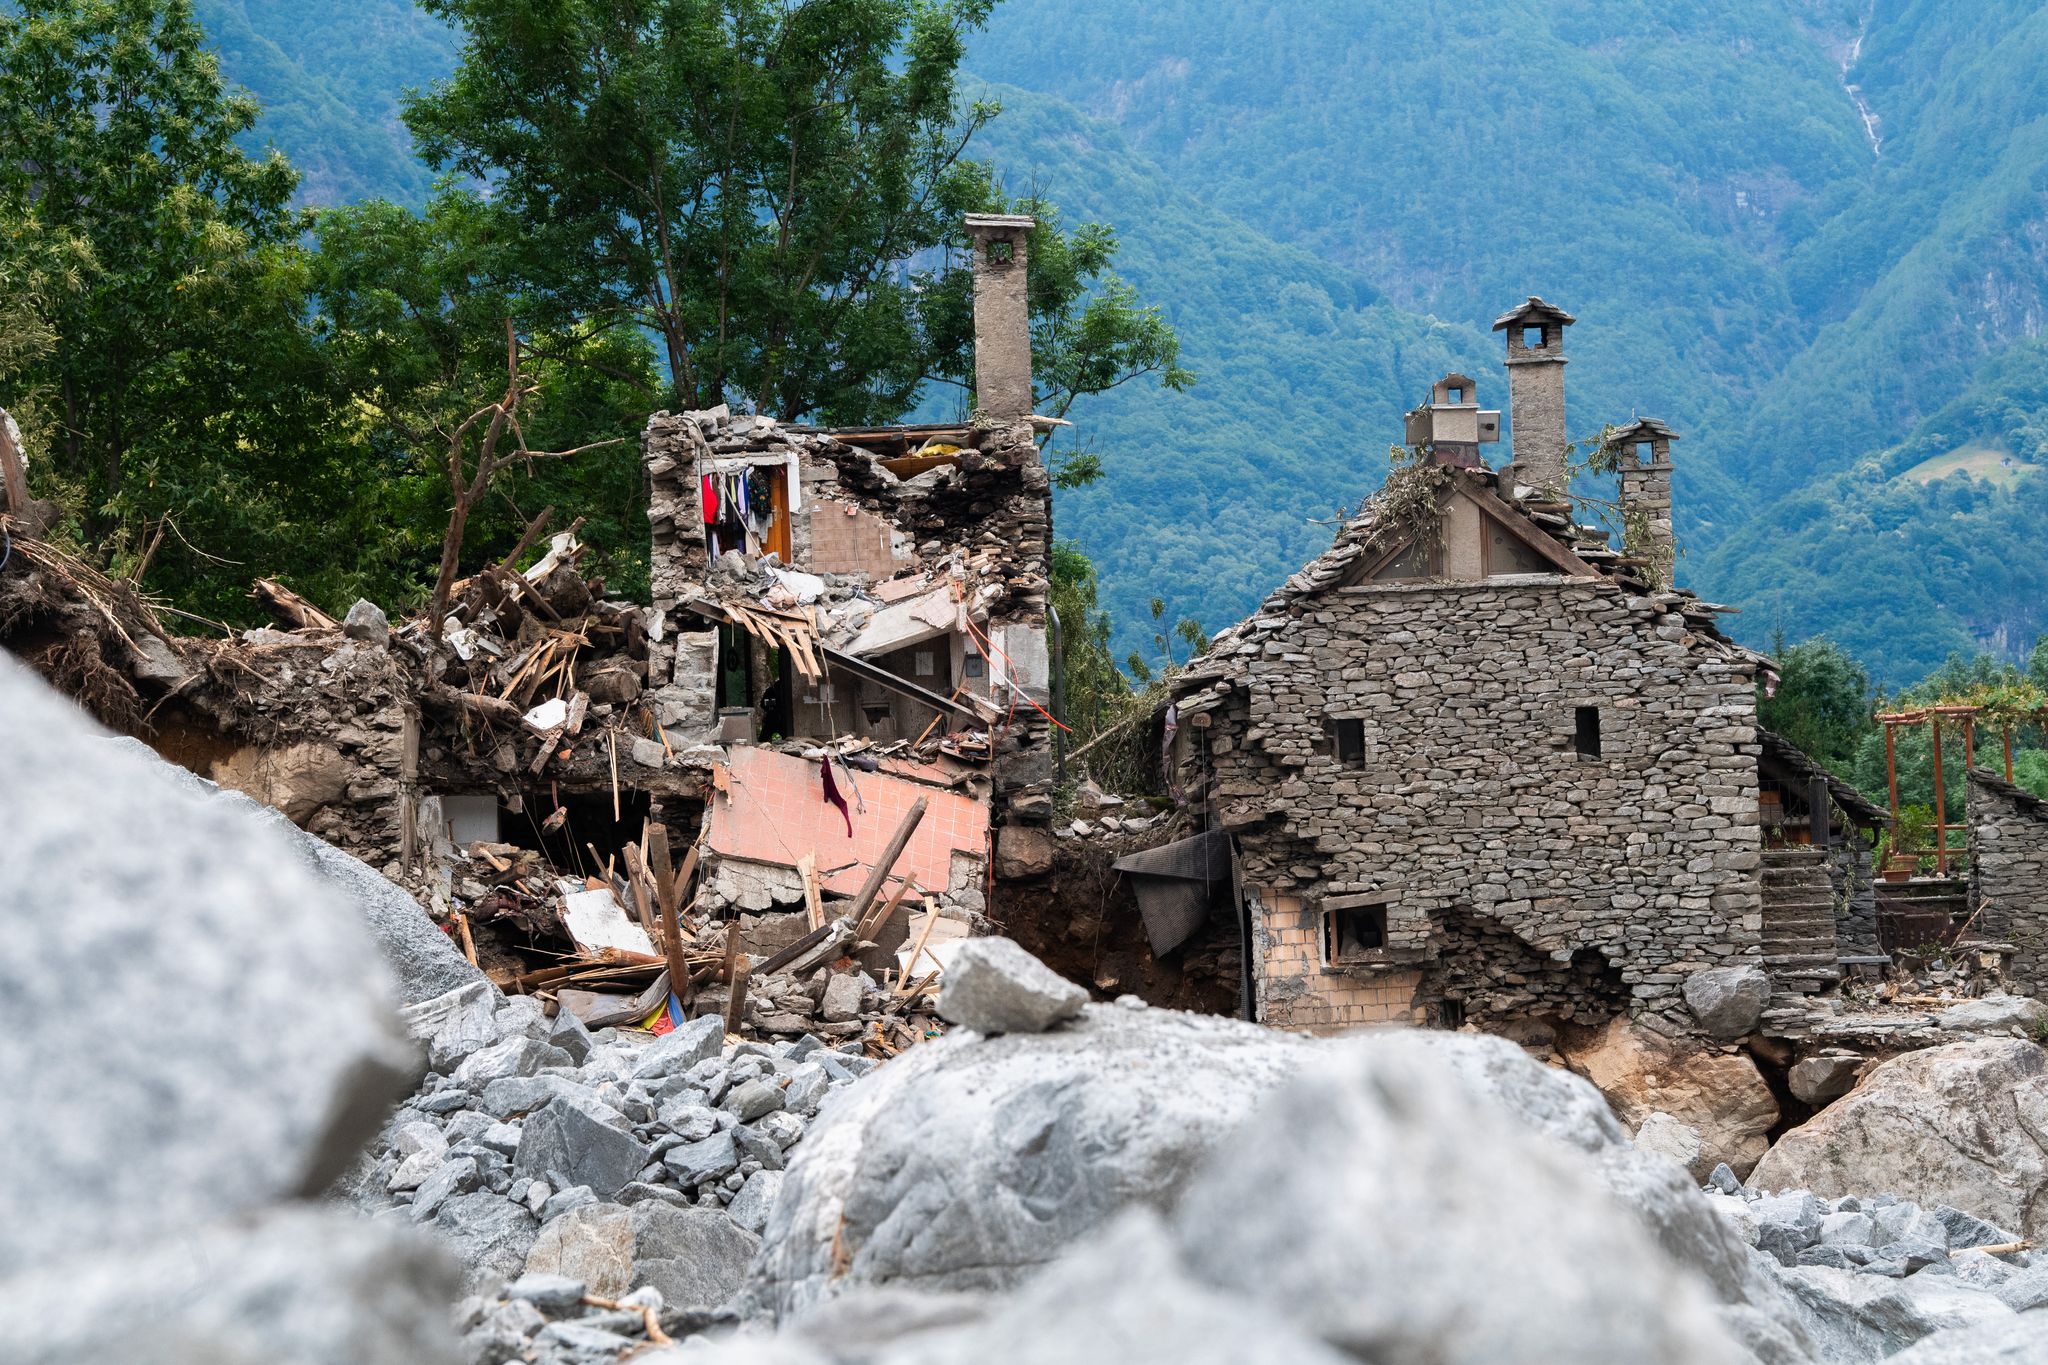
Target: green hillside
(1805,232)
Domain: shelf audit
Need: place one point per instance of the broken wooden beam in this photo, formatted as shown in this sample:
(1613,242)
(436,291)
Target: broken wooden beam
(885,864)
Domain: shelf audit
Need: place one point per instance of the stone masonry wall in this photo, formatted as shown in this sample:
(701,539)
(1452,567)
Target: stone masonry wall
(2009,876)
(1471,798)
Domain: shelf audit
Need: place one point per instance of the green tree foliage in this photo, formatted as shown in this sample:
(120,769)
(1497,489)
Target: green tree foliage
(1822,703)
(177,384)
(744,179)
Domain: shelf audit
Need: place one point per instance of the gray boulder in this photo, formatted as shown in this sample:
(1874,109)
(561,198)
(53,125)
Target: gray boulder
(1817,1080)
(1964,1124)
(562,1139)
(422,960)
(1728,1001)
(367,622)
(696,1257)
(253,1048)
(1995,1014)
(994,986)
(698,1040)
(1053,1132)
(488,1234)
(592,1244)
(1855,1317)
(304,1285)
(2009,1341)
(1552,1269)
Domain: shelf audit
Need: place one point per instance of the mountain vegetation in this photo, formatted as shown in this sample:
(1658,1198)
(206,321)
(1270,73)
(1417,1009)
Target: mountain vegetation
(1804,232)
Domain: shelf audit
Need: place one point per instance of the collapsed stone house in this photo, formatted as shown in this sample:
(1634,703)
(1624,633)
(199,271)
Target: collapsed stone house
(1476,764)
(2009,875)
(845,623)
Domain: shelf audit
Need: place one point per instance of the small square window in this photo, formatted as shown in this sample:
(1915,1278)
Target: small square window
(972,666)
(1532,338)
(1354,933)
(1347,741)
(1586,732)
(1450,1014)
(925,664)
(1454,395)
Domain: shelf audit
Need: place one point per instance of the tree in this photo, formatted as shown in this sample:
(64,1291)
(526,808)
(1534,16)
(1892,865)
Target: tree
(773,191)
(411,312)
(172,340)
(1822,703)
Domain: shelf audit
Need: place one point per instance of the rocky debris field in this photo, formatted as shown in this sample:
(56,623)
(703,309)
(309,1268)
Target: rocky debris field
(1127,1184)
(641,1170)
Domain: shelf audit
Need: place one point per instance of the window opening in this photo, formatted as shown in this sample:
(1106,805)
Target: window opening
(1586,738)
(1450,1014)
(1454,394)
(1354,933)
(1532,338)
(1347,741)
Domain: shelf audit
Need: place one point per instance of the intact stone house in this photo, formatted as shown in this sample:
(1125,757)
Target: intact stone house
(1479,764)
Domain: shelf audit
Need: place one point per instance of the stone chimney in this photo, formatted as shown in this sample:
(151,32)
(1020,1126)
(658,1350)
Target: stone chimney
(1645,469)
(1452,424)
(1002,316)
(1536,394)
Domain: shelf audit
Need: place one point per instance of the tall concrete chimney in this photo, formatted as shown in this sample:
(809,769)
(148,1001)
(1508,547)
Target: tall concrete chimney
(1002,315)
(1536,392)
(1646,494)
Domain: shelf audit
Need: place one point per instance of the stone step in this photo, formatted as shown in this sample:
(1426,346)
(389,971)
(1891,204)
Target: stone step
(1799,903)
(1794,857)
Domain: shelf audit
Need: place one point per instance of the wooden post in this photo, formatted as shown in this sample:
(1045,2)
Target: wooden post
(732,951)
(736,1002)
(2008,754)
(814,909)
(1819,826)
(1891,773)
(1940,805)
(408,788)
(887,861)
(672,948)
(13,478)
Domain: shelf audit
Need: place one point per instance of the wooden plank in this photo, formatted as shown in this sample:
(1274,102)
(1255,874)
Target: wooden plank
(807,868)
(887,862)
(736,1001)
(910,963)
(874,923)
(732,950)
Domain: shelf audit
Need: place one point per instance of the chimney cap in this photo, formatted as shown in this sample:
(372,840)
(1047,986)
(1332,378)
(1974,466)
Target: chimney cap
(1642,429)
(1000,222)
(1534,311)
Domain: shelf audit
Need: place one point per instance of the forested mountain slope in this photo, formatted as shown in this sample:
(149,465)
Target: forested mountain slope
(1808,233)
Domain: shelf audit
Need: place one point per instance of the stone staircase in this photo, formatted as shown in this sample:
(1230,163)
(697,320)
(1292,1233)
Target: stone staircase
(1800,953)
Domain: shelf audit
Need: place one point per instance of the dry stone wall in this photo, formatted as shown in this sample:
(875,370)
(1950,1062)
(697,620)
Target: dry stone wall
(2009,876)
(1469,798)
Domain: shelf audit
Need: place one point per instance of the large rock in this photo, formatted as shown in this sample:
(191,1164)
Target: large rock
(488,1234)
(563,1143)
(1728,1001)
(421,958)
(199,1024)
(1995,1014)
(1023,851)
(1050,1132)
(1471,1243)
(1719,1095)
(1829,1076)
(992,985)
(593,1244)
(2000,1341)
(1853,1317)
(307,1286)
(1963,1124)
(696,1257)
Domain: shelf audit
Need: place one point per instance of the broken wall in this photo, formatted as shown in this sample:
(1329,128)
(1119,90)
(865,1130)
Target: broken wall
(2009,876)
(1467,798)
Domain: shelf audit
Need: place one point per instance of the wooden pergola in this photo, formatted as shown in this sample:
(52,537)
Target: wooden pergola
(1934,716)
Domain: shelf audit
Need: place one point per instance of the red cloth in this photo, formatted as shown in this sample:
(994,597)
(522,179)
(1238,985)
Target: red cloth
(832,795)
(710,501)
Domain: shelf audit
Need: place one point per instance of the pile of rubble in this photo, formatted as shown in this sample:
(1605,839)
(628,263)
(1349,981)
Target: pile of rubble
(538,1148)
(1881,1235)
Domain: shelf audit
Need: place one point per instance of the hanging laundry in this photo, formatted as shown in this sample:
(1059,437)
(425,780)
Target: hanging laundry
(832,795)
(709,498)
